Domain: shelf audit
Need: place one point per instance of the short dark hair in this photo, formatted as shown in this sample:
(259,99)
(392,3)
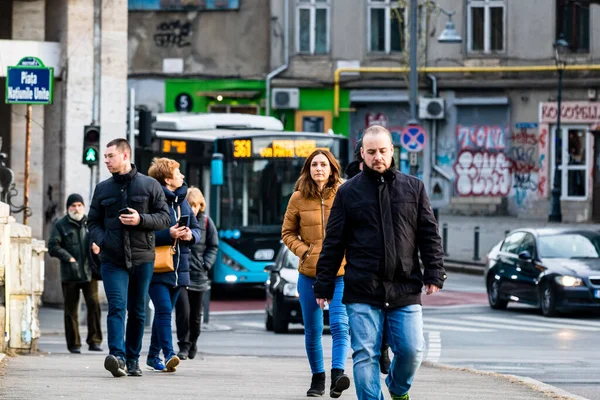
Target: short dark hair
(121,144)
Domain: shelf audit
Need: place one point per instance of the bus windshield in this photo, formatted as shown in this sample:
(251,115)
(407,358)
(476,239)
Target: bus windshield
(256,192)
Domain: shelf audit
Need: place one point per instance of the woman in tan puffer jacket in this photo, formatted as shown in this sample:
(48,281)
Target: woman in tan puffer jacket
(303,233)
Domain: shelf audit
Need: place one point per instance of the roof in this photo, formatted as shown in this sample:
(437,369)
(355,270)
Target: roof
(549,231)
(207,121)
(213,134)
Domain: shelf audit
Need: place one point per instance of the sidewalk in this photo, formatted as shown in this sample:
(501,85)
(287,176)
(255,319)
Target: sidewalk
(461,232)
(53,376)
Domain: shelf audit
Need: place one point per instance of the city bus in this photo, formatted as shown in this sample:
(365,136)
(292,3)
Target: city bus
(246,167)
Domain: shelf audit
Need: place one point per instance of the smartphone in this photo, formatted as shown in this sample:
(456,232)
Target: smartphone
(184,220)
(124,211)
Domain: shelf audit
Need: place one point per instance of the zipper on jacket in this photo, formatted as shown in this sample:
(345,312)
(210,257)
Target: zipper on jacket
(177,250)
(323,217)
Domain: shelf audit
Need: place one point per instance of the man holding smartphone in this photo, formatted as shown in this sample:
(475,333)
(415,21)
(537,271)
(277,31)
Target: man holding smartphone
(126,209)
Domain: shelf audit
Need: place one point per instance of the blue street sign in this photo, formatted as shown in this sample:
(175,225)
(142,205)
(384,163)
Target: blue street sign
(413,138)
(526,125)
(30,82)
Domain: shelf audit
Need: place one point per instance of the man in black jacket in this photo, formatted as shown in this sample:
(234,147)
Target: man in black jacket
(69,243)
(381,220)
(126,210)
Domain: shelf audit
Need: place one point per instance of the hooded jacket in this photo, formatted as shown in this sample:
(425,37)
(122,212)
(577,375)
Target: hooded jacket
(69,239)
(204,253)
(381,222)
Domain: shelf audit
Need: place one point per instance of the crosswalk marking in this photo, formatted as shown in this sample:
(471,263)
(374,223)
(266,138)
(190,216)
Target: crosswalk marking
(485,325)
(548,324)
(434,346)
(568,321)
(453,328)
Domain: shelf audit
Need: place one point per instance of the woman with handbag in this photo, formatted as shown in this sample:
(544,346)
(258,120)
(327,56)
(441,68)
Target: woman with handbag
(171,267)
(303,233)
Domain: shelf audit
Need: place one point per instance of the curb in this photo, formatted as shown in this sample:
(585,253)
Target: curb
(464,268)
(541,387)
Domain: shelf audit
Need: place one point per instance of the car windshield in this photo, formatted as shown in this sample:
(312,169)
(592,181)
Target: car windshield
(291,261)
(570,245)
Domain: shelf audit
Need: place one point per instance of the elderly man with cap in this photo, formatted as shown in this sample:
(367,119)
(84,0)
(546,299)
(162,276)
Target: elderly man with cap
(69,243)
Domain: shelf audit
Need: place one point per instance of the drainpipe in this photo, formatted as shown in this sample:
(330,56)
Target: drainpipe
(286,55)
(434,128)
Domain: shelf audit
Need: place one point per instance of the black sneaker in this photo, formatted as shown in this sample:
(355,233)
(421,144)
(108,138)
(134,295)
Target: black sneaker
(75,350)
(115,366)
(317,385)
(339,383)
(183,355)
(133,368)
(192,352)
(95,347)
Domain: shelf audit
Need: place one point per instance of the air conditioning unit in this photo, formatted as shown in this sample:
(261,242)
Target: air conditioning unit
(431,108)
(285,98)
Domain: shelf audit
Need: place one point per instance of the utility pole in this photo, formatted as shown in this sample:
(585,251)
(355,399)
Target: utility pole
(97,82)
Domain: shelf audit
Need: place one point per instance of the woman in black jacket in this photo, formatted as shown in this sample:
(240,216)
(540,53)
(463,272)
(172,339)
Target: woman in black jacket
(165,286)
(204,253)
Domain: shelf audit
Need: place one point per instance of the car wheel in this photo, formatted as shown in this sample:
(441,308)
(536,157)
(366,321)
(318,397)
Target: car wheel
(269,323)
(493,289)
(548,300)
(280,325)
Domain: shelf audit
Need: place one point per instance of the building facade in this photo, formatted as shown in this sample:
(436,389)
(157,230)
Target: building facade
(491,149)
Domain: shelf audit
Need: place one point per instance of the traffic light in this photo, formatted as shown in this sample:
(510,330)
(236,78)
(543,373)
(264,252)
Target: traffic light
(145,127)
(91,145)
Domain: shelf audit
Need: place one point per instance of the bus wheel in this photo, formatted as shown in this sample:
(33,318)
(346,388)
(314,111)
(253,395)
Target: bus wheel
(269,322)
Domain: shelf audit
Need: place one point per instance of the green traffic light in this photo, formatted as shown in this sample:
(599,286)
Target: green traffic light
(90,155)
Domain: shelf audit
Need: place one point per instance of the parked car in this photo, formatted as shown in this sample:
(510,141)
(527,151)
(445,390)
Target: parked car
(283,302)
(555,269)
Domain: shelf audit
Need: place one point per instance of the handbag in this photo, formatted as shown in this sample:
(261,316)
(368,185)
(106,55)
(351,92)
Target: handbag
(163,259)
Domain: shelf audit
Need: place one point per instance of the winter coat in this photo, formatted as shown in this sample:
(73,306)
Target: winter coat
(304,228)
(381,222)
(122,245)
(68,239)
(204,253)
(181,259)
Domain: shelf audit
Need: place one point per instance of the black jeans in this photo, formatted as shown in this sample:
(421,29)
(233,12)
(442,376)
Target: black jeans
(71,307)
(188,317)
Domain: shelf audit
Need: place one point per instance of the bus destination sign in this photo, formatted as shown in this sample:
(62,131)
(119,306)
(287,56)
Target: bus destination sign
(277,148)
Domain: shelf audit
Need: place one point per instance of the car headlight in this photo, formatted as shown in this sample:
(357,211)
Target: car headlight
(232,264)
(568,281)
(291,290)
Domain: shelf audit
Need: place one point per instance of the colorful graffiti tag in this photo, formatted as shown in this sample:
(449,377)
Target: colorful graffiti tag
(482,168)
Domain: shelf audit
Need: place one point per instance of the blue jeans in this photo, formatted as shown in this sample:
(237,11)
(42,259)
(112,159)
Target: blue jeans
(164,298)
(126,292)
(404,328)
(313,325)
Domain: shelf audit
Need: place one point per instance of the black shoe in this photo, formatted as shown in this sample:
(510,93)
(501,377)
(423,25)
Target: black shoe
(182,355)
(339,383)
(75,350)
(115,366)
(192,352)
(384,362)
(317,385)
(133,368)
(95,347)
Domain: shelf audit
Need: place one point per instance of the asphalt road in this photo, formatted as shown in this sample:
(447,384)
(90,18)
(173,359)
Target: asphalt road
(563,352)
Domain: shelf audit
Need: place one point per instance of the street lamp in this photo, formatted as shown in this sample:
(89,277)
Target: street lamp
(449,34)
(561,47)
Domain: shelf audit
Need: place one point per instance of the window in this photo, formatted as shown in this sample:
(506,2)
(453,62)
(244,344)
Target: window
(386,25)
(312,26)
(570,245)
(486,26)
(573,20)
(513,243)
(573,161)
(528,244)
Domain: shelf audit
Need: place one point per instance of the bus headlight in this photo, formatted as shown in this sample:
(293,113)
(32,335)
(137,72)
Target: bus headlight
(569,281)
(228,261)
(290,290)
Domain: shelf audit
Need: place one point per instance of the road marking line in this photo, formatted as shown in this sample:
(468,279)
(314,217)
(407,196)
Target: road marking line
(484,325)
(434,346)
(569,321)
(260,325)
(531,323)
(428,327)
(237,312)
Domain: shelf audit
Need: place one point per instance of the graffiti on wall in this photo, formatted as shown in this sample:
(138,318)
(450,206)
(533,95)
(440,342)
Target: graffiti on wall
(526,161)
(482,167)
(173,34)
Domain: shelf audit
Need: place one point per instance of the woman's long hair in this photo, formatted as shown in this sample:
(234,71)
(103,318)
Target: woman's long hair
(308,187)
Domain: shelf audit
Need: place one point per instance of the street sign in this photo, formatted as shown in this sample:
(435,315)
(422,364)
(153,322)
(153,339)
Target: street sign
(30,82)
(184,102)
(413,138)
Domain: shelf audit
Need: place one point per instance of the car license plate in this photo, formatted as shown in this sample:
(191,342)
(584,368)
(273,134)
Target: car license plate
(597,294)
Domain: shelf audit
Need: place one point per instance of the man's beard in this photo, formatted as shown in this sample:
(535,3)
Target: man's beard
(77,216)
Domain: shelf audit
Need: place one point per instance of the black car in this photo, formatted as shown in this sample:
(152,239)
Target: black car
(555,269)
(283,301)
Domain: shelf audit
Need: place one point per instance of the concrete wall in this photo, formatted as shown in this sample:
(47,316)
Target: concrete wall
(149,92)
(215,43)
